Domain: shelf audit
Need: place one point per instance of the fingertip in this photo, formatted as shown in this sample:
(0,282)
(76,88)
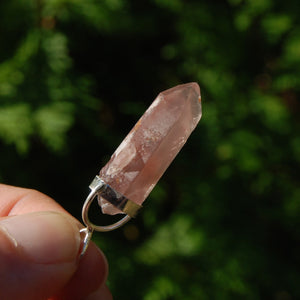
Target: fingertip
(91,274)
(95,261)
(43,237)
(38,253)
(103,293)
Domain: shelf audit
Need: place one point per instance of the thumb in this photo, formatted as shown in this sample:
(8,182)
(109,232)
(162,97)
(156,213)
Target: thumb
(38,254)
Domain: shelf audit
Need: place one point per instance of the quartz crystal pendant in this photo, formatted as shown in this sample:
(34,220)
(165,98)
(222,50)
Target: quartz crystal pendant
(152,144)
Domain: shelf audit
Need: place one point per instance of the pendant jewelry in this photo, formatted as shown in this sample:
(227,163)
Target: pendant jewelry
(141,159)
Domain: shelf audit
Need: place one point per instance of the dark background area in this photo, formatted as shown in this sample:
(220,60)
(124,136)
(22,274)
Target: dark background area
(224,221)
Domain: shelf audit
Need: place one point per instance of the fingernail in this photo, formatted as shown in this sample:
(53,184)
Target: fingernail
(43,237)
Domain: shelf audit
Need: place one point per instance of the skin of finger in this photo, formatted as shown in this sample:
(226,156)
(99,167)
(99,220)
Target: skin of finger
(90,275)
(19,280)
(15,201)
(102,293)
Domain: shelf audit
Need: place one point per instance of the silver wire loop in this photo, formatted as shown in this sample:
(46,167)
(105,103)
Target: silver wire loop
(100,188)
(87,237)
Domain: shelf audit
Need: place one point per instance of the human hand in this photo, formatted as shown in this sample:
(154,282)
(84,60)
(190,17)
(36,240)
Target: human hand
(39,251)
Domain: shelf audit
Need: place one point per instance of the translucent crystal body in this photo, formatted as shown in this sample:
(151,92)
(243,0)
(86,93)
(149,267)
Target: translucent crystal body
(152,144)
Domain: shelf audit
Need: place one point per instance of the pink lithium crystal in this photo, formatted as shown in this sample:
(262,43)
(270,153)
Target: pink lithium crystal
(152,144)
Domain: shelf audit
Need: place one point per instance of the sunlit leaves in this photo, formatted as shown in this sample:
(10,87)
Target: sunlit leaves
(16,125)
(272,111)
(19,122)
(12,71)
(292,207)
(178,238)
(162,288)
(53,122)
(55,46)
(230,277)
(36,75)
(276,25)
(248,11)
(292,49)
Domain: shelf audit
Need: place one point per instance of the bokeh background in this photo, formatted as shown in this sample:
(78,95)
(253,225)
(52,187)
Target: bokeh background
(224,221)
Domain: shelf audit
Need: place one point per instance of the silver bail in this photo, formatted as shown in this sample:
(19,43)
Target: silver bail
(100,188)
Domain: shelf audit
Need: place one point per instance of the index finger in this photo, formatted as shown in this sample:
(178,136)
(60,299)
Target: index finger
(16,201)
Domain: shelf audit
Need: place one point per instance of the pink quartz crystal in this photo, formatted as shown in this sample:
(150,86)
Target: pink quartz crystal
(152,144)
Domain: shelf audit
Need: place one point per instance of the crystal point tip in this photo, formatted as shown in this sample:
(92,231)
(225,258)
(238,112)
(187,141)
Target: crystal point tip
(181,92)
(187,87)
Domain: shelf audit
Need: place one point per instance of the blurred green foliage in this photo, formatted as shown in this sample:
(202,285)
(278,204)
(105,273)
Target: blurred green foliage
(223,223)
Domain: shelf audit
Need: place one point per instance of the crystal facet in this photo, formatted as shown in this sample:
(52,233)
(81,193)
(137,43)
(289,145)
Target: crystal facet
(152,144)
